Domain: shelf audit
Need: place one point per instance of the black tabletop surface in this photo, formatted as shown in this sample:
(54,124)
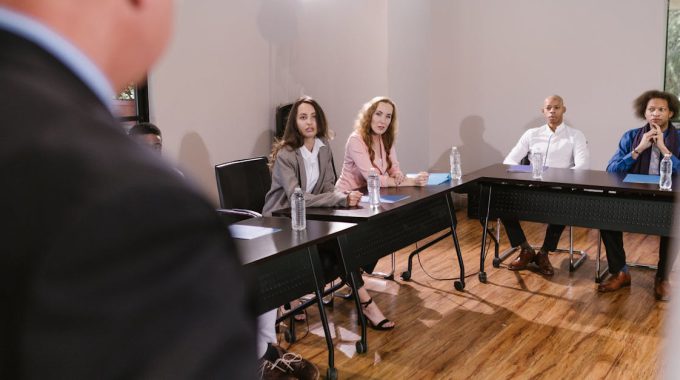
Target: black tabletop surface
(364,212)
(286,240)
(568,178)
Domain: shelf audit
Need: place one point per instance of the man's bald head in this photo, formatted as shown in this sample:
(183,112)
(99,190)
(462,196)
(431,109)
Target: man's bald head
(553,110)
(124,38)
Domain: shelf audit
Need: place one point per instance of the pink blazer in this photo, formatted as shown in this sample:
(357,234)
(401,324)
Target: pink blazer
(357,164)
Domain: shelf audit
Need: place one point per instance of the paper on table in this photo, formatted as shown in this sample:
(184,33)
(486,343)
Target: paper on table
(250,232)
(434,178)
(641,178)
(386,198)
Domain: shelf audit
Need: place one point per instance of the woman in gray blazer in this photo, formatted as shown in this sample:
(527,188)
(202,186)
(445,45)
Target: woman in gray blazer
(304,159)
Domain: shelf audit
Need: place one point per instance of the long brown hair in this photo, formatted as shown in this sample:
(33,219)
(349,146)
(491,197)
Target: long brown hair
(363,127)
(291,135)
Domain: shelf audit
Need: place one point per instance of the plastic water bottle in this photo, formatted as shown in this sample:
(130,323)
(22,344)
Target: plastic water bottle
(665,171)
(373,184)
(454,161)
(537,159)
(297,210)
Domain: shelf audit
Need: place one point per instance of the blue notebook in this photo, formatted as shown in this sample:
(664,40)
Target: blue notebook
(438,178)
(386,198)
(641,178)
(434,178)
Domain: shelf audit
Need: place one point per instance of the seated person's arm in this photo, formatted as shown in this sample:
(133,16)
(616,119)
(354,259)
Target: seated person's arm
(520,150)
(581,152)
(284,174)
(623,160)
(398,176)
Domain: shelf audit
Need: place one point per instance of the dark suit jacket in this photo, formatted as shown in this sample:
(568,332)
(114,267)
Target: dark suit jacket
(110,265)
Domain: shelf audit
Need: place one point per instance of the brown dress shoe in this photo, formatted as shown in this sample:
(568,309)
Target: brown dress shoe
(526,256)
(543,263)
(289,365)
(662,289)
(616,282)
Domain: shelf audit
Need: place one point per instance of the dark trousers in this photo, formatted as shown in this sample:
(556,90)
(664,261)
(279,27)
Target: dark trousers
(331,264)
(516,235)
(616,255)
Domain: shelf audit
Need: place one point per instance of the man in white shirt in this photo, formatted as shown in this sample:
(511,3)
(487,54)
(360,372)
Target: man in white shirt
(563,147)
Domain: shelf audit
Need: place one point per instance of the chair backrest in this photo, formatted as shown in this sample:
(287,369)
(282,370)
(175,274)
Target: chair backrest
(525,160)
(243,184)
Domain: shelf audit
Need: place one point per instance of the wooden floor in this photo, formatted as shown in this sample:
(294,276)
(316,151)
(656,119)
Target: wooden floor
(517,325)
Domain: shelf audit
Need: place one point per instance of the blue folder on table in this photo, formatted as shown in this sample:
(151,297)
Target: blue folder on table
(641,178)
(438,178)
(386,198)
(434,178)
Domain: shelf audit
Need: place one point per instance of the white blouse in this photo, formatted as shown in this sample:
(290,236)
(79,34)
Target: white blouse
(311,160)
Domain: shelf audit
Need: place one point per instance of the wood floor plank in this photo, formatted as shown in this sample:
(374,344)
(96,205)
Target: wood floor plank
(517,325)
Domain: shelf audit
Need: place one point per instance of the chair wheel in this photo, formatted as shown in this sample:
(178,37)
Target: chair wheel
(289,337)
(361,348)
(458,285)
(406,276)
(482,277)
(496,262)
(332,374)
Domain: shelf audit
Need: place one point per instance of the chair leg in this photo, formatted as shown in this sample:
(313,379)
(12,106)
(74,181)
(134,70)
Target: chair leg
(583,255)
(386,276)
(505,254)
(345,294)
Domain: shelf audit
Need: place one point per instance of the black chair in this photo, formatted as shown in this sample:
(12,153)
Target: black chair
(242,184)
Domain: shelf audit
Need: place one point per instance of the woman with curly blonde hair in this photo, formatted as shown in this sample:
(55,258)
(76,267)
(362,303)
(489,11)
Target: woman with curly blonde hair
(371,145)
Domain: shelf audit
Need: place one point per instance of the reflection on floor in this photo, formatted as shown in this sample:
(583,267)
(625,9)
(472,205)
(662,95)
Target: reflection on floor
(517,325)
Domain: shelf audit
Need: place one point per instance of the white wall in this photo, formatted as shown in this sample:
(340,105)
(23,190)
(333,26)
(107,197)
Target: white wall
(215,92)
(468,72)
(210,94)
(494,61)
(408,65)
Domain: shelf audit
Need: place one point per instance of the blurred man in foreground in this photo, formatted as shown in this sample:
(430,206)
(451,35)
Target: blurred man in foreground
(111,267)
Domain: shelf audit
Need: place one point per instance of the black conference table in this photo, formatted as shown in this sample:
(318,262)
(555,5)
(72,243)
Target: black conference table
(286,265)
(390,227)
(584,198)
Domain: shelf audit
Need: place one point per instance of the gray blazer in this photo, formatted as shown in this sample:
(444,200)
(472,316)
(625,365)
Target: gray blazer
(289,172)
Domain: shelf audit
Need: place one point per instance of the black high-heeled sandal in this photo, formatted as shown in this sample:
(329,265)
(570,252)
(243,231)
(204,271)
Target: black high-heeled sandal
(375,326)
